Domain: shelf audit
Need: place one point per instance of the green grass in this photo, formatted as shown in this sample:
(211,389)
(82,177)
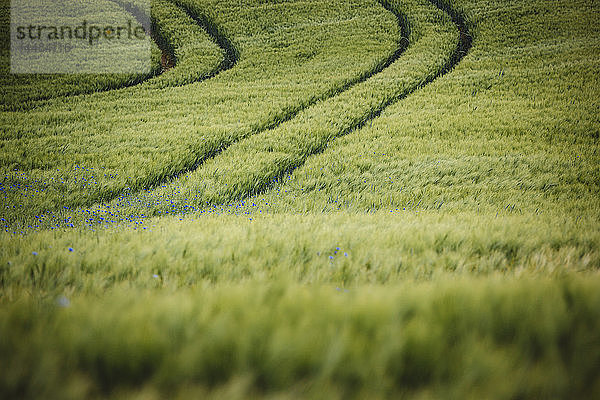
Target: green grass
(501,338)
(350,208)
(346,249)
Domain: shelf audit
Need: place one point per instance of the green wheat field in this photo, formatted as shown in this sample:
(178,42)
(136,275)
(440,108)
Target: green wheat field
(326,199)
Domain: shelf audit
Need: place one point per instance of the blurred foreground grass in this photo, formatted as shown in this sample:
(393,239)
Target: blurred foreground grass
(339,305)
(461,338)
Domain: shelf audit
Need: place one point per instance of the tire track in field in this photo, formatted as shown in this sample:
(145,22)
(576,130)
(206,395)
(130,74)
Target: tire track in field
(462,48)
(281,119)
(230,59)
(168,52)
(464,43)
(152,197)
(266,178)
(231,53)
(168,59)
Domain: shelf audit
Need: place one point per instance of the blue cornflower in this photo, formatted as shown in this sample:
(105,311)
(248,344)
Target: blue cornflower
(62,301)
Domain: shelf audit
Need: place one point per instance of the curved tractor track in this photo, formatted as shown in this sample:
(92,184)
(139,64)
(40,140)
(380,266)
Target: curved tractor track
(264,176)
(462,48)
(226,45)
(178,195)
(229,51)
(187,201)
